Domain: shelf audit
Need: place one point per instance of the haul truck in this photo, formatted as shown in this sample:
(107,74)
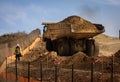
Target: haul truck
(71,35)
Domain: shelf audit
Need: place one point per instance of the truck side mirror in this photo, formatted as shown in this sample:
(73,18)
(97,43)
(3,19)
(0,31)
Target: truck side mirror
(45,29)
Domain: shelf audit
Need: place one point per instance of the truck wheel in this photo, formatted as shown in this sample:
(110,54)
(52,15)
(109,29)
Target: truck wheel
(95,49)
(63,48)
(49,45)
(92,48)
(72,47)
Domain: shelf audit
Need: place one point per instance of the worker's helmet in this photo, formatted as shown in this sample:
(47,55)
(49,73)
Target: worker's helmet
(18,45)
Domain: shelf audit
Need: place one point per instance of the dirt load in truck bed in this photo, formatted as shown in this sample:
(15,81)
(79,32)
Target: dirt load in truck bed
(78,22)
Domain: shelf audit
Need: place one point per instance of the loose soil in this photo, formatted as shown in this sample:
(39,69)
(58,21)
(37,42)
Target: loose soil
(82,63)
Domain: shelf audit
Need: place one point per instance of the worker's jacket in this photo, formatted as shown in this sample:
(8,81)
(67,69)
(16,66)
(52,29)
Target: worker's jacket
(17,50)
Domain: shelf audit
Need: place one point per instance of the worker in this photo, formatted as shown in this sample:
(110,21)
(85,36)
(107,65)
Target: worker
(18,52)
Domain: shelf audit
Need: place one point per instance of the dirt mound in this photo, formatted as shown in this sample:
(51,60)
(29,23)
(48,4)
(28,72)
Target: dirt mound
(45,58)
(75,20)
(76,59)
(80,60)
(117,54)
(34,53)
(78,22)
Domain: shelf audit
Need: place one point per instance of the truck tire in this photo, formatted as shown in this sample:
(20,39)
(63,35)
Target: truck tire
(63,47)
(95,49)
(72,47)
(92,48)
(49,45)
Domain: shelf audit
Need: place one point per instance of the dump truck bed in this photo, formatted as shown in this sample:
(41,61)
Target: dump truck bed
(73,27)
(55,31)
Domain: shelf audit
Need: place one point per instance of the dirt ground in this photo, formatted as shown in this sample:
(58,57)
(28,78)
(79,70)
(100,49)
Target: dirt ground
(82,63)
(108,45)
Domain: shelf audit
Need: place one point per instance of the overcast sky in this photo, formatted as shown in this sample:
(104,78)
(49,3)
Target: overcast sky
(27,15)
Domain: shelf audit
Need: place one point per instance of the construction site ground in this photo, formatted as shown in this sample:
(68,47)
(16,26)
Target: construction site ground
(82,64)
